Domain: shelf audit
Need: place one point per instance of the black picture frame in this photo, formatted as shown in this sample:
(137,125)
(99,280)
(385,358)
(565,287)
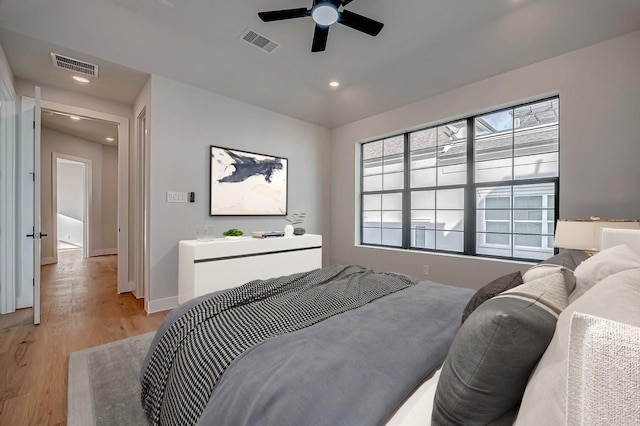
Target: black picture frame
(244,183)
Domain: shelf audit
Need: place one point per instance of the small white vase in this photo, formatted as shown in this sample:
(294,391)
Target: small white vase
(288,230)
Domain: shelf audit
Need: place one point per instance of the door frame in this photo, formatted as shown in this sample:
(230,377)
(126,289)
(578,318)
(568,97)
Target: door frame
(86,201)
(7,196)
(141,205)
(123,186)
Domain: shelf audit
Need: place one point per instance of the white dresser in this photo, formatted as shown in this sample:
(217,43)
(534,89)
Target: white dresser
(207,266)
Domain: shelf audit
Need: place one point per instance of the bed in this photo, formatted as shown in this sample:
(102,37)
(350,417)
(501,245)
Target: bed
(375,358)
(377,353)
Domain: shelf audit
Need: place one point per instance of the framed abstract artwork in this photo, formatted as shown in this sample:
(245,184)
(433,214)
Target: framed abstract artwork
(247,184)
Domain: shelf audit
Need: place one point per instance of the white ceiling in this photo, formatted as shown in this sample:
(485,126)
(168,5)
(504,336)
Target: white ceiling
(87,128)
(426,47)
(30,59)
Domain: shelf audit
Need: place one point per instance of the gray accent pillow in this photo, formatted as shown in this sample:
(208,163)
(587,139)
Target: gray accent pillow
(486,371)
(490,290)
(569,259)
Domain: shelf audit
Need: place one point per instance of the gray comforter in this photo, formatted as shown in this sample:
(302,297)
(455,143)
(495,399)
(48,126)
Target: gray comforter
(354,368)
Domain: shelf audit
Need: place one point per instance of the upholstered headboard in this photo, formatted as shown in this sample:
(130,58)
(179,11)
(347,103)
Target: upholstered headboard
(614,237)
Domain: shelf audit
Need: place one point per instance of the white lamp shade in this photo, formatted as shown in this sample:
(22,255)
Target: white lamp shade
(578,235)
(585,234)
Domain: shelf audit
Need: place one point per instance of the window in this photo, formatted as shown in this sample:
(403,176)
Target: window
(486,185)
(383,184)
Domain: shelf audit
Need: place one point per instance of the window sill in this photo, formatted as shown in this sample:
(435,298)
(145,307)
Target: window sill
(459,256)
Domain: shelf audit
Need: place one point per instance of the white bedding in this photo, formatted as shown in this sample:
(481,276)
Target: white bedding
(416,411)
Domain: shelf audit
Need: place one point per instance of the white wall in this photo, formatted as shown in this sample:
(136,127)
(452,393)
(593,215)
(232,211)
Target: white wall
(8,132)
(70,201)
(599,92)
(109,198)
(70,230)
(101,216)
(186,121)
(71,190)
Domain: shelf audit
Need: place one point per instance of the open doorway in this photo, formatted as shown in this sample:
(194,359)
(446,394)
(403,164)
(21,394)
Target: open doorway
(33,153)
(71,195)
(79,176)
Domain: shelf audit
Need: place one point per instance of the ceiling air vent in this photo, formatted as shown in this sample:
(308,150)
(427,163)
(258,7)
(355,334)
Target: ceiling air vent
(74,65)
(259,41)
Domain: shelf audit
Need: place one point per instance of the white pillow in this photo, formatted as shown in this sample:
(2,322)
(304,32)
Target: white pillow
(603,383)
(601,265)
(542,270)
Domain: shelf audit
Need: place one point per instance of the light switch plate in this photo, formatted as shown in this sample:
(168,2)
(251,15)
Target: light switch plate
(177,197)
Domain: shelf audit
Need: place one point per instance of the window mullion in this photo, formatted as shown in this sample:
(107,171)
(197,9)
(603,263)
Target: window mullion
(362,194)
(469,191)
(406,195)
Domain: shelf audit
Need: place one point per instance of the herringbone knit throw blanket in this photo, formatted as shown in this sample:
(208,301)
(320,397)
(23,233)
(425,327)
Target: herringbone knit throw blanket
(197,348)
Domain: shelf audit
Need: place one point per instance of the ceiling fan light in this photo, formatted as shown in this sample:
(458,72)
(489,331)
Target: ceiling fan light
(325,15)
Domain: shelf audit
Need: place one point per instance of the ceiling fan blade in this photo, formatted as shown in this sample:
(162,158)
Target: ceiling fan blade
(360,23)
(320,36)
(280,15)
(346,2)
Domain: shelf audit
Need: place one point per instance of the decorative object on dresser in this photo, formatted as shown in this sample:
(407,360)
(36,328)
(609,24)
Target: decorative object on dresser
(207,266)
(247,184)
(584,234)
(294,219)
(267,234)
(205,232)
(233,233)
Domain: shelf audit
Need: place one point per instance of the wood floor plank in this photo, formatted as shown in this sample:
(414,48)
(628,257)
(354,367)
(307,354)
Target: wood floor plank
(80,309)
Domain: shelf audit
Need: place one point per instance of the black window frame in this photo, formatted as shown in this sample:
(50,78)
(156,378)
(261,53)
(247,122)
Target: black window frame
(470,187)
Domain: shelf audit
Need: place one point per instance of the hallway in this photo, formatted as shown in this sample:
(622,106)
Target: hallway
(80,309)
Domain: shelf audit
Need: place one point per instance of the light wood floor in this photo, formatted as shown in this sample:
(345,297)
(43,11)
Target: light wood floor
(80,309)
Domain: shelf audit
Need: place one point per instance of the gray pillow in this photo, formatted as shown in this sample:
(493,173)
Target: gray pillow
(569,259)
(486,371)
(490,290)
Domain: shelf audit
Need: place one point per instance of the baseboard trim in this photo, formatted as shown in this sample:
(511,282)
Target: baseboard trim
(132,286)
(153,306)
(47,261)
(104,252)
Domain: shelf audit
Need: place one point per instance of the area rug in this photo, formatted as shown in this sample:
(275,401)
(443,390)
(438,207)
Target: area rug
(104,383)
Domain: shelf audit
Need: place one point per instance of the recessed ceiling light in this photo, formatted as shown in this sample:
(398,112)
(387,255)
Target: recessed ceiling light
(110,139)
(334,83)
(80,79)
(75,117)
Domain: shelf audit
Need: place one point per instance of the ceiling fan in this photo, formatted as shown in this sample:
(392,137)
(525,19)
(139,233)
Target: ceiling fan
(326,13)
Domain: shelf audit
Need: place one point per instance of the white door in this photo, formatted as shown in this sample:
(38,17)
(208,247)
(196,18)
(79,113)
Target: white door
(29,217)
